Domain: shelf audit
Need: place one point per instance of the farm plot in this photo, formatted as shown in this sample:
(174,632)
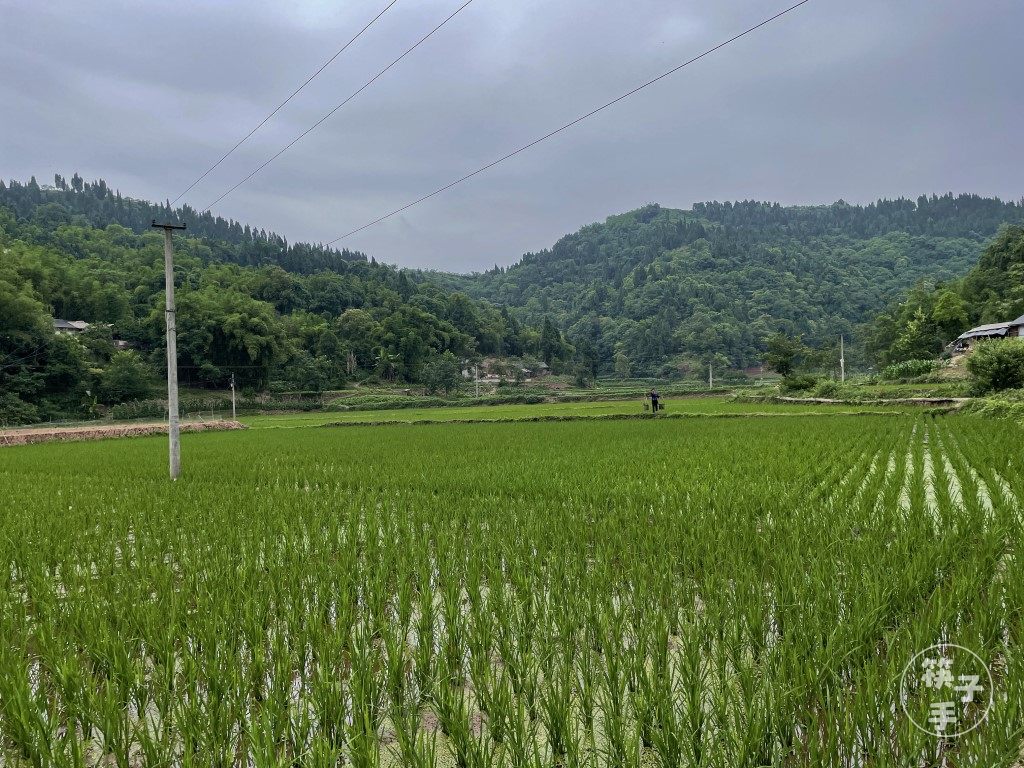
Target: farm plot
(695,592)
(689,406)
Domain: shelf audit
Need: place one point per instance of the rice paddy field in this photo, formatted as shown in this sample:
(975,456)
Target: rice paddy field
(690,592)
(686,406)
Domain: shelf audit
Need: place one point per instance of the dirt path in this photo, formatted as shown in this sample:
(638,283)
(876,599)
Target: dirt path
(27,435)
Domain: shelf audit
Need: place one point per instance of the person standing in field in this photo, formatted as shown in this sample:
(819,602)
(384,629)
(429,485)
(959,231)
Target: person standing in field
(654,400)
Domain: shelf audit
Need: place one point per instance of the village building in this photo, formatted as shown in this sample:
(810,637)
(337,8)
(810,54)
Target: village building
(75,327)
(1009,329)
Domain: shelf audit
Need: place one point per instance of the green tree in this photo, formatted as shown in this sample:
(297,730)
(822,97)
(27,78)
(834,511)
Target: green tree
(442,373)
(783,354)
(587,357)
(622,369)
(387,363)
(360,333)
(550,341)
(950,314)
(222,331)
(918,340)
(582,375)
(126,377)
(25,337)
(309,373)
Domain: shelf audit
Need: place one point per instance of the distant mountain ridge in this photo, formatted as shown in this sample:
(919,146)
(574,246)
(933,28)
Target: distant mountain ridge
(669,288)
(652,291)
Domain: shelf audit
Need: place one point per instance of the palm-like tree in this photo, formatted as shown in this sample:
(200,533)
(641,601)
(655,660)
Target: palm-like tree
(387,363)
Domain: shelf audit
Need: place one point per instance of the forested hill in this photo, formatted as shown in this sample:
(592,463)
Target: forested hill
(929,317)
(95,204)
(668,289)
(273,315)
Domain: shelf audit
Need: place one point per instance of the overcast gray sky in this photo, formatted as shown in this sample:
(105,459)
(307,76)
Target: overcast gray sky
(852,99)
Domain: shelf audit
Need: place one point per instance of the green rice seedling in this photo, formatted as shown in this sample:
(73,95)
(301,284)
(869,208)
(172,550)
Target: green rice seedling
(260,742)
(398,663)
(154,739)
(424,652)
(404,598)
(26,724)
(329,696)
(621,740)
(415,748)
(322,754)
(483,679)
(453,638)
(484,753)
(452,707)
(585,684)
(114,725)
(500,706)
(367,689)
(521,665)
(668,735)
(523,747)
(556,705)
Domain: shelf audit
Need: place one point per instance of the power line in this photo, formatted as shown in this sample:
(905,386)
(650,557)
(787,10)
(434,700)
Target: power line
(277,109)
(580,119)
(313,127)
(18,361)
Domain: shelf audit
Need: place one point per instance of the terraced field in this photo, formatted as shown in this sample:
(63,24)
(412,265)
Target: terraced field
(689,592)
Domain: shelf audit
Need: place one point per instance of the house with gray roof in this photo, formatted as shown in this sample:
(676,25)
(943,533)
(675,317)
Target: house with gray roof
(69,326)
(1009,329)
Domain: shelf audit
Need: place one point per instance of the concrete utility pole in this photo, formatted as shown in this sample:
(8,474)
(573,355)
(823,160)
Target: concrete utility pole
(842,361)
(476,377)
(173,428)
(232,396)
(711,377)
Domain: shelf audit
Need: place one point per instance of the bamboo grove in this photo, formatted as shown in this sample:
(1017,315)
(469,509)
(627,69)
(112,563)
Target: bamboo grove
(706,592)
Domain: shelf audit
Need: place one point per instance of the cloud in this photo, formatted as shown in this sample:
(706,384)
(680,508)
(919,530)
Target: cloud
(852,100)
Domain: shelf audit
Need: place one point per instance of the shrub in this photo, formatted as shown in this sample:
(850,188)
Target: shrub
(139,409)
(199,405)
(798,383)
(827,388)
(908,369)
(1001,407)
(263,405)
(997,365)
(14,410)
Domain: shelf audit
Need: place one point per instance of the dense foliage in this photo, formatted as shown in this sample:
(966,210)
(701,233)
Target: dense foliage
(997,365)
(665,288)
(908,369)
(239,310)
(95,204)
(645,593)
(933,314)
